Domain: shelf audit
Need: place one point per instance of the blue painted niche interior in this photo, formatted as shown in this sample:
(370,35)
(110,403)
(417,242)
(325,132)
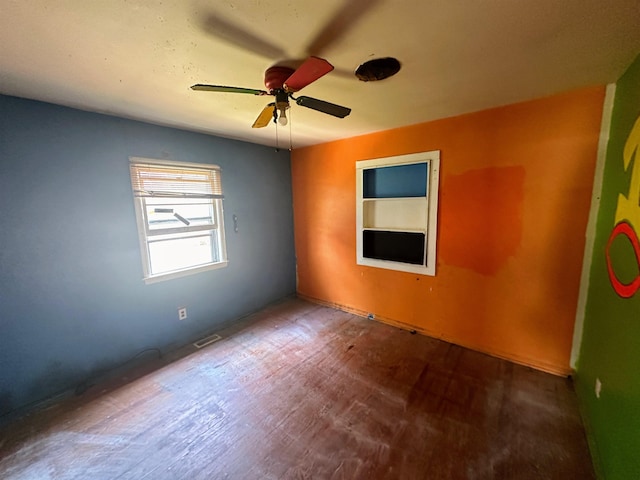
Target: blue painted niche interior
(395,181)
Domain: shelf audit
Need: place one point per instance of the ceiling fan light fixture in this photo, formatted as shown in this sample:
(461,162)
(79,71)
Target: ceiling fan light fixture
(282,117)
(377,69)
(282,105)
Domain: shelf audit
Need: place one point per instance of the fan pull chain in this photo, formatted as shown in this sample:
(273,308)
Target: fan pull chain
(277,141)
(290,140)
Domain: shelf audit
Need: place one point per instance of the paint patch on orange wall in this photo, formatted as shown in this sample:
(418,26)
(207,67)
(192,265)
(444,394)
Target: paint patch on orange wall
(485,225)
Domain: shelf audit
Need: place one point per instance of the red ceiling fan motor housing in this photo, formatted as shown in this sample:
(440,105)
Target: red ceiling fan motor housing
(274,77)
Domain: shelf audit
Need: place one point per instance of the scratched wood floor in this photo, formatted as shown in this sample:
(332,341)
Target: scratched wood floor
(302,391)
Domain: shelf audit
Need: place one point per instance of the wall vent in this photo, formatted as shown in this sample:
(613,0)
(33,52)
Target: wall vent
(203,342)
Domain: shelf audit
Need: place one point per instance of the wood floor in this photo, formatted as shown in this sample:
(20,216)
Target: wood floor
(302,391)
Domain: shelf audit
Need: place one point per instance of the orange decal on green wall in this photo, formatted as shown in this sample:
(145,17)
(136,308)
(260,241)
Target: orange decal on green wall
(625,290)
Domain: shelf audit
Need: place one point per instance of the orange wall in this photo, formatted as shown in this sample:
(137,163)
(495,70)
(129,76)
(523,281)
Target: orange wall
(515,192)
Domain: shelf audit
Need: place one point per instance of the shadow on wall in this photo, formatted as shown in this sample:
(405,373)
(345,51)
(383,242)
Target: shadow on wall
(54,375)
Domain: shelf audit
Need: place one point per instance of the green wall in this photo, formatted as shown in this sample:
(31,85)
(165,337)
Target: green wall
(610,348)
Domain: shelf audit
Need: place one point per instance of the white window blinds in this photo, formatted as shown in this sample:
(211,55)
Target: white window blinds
(149,180)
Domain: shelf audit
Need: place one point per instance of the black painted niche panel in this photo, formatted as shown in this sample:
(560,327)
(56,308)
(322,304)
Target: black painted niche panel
(405,247)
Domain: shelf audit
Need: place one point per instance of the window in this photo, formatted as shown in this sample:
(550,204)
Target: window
(396,212)
(180,220)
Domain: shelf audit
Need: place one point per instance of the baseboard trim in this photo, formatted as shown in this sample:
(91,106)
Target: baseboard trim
(562,371)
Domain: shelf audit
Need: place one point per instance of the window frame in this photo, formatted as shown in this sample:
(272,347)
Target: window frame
(428,225)
(146,235)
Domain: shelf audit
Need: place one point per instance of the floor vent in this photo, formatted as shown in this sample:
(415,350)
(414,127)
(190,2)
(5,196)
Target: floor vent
(203,342)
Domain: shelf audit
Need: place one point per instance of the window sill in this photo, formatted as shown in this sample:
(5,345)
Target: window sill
(183,273)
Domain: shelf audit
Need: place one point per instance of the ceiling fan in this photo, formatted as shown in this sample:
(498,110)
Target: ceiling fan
(282,82)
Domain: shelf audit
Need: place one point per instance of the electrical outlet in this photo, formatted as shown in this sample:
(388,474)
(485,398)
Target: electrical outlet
(598,387)
(182,313)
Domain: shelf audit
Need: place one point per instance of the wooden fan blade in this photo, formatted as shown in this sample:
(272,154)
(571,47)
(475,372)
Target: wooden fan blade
(221,88)
(311,70)
(324,107)
(266,115)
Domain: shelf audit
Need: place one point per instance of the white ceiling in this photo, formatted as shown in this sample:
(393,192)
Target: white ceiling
(138,58)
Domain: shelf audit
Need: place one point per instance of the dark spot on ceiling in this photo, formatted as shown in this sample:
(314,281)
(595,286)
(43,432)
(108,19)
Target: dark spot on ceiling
(378,69)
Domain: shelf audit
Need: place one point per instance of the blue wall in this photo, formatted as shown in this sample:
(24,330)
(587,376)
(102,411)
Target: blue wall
(72,299)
